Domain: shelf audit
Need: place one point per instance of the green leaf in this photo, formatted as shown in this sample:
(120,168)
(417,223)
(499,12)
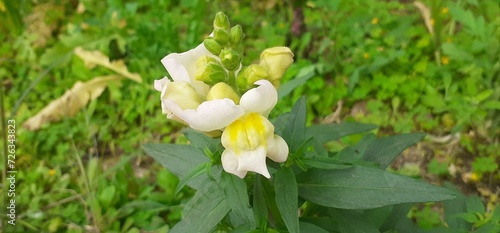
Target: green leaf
(309,227)
(356,152)
(236,193)
(300,79)
(364,188)
(352,221)
(286,198)
(295,125)
(204,211)
(179,159)
(200,169)
(454,207)
(325,163)
(201,140)
(455,53)
(329,132)
(259,203)
(491,104)
(384,150)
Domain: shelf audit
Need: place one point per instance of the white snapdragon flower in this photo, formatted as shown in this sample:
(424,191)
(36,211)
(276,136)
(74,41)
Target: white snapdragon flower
(247,135)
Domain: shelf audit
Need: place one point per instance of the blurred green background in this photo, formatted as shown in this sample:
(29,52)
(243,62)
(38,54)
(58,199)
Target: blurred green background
(429,66)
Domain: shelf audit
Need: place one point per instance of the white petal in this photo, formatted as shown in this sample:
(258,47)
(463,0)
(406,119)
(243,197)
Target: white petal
(182,67)
(254,161)
(277,149)
(230,163)
(210,115)
(260,99)
(187,60)
(160,83)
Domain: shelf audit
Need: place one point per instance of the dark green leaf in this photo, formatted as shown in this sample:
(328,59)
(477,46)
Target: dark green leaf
(236,193)
(454,207)
(329,132)
(384,150)
(179,159)
(200,169)
(304,74)
(364,188)
(204,211)
(259,202)
(286,198)
(352,221)
(309,227)
(201,140)
(354,153)
(295,125)
(325,163)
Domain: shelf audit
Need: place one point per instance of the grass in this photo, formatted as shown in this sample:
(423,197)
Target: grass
(377,58)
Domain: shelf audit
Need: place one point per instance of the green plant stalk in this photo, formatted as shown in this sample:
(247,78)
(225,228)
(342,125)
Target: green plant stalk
(87,182)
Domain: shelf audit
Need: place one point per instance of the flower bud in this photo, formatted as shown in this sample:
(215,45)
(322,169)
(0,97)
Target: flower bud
(276,60)
(230,59)
(221,36)
(255,73)
(221,21)
(236,35)
(212,46)
(204,60)
(222,90)
(183,94)
(211,73)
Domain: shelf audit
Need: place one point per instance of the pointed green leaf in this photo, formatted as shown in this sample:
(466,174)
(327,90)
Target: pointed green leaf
(286,198)
(204,211)
(201,140)
(236,193)
(309,227)
(325,163)
(329,132)
(179,159)
(364,188)
(384,150)
(259,202)
(200,169)
(295,125)
(352,221)
(355,152)
(304,74)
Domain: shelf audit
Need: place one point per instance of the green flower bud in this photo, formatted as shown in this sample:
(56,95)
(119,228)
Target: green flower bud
(212,46)
(204,60)
(221,21)
(221,36)
(276,60)
(211,73)
(222,90)
(230,59)
(255,73)
(236,35)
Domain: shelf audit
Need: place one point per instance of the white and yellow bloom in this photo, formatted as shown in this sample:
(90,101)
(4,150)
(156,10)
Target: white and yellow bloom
(247,135)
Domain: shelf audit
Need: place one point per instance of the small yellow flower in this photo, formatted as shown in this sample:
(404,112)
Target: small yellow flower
(375,21)
(445,60)
(432,21)
(366,55)
(474,177)
(52,172)
(444,11)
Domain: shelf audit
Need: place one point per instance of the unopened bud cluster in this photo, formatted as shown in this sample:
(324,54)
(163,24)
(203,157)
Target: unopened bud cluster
(224,72)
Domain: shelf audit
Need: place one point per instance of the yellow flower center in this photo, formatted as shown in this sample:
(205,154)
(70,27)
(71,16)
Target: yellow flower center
(247,133)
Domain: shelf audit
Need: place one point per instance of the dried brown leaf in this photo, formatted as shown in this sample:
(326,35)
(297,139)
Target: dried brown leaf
(71,102)
(92,58)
